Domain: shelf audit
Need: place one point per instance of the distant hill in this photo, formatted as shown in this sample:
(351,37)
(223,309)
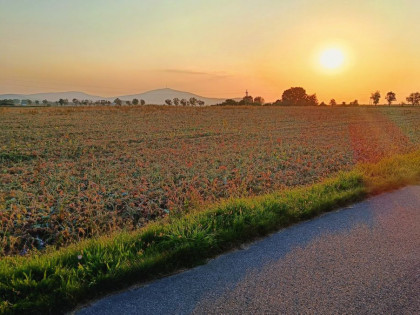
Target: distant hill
(156,97)
(159,96)
(52,97)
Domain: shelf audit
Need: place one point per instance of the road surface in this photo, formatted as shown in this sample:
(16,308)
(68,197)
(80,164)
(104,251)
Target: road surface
(361,259)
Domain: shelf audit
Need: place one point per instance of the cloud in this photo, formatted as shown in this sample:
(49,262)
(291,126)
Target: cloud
(198,73)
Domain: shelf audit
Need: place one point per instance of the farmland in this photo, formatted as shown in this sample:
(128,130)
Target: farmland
(72,173)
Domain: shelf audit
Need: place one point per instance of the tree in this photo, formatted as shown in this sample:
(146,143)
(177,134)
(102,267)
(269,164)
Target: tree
(344,104)
(75,101)
(45,102)
(247,100)
(118,102)
(375,97)
(135,101)
(193,101)
(29,102)
(168,102)
(230,102)
(414,98)
(259,100)
(333,102)
(183,102)
(7,102)
(176,101)
(354,103)
(296,96)
(37,102)
(142,102)
(201,103)
(390,97)
(127,102)
(322,104)
(61,101)
(312,100)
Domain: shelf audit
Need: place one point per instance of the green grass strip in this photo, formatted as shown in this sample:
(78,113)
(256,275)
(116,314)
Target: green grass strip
(57,281)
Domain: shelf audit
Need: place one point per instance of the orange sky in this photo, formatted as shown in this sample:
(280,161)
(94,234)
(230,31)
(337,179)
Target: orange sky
(212,48)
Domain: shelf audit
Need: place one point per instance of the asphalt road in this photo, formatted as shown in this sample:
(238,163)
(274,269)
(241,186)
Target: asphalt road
(357,260)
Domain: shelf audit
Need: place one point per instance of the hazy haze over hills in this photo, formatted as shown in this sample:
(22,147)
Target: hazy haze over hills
(151,97)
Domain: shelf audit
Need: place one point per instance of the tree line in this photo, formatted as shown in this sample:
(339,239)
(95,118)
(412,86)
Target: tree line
(390,97)
(184,102)
(297,96)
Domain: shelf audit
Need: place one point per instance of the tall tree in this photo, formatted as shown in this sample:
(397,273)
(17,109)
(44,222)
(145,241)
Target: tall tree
(375,97)
(390,97)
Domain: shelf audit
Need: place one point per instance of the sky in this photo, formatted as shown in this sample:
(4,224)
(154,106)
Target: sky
(214,48)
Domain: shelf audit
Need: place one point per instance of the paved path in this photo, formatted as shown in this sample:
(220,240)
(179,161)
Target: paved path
(362,259)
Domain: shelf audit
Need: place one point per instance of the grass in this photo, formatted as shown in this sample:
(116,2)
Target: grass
(15,157)
(57,281)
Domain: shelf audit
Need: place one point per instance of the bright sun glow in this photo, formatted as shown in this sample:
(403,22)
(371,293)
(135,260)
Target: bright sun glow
(332,58)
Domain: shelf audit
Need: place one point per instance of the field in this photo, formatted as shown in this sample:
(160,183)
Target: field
(72,173)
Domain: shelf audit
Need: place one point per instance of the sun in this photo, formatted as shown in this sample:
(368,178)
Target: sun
(331,59)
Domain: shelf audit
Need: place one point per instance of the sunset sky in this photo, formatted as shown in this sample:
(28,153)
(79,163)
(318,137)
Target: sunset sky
(214,48)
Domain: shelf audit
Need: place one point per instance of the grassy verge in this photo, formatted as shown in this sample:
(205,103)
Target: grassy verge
(57,281)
